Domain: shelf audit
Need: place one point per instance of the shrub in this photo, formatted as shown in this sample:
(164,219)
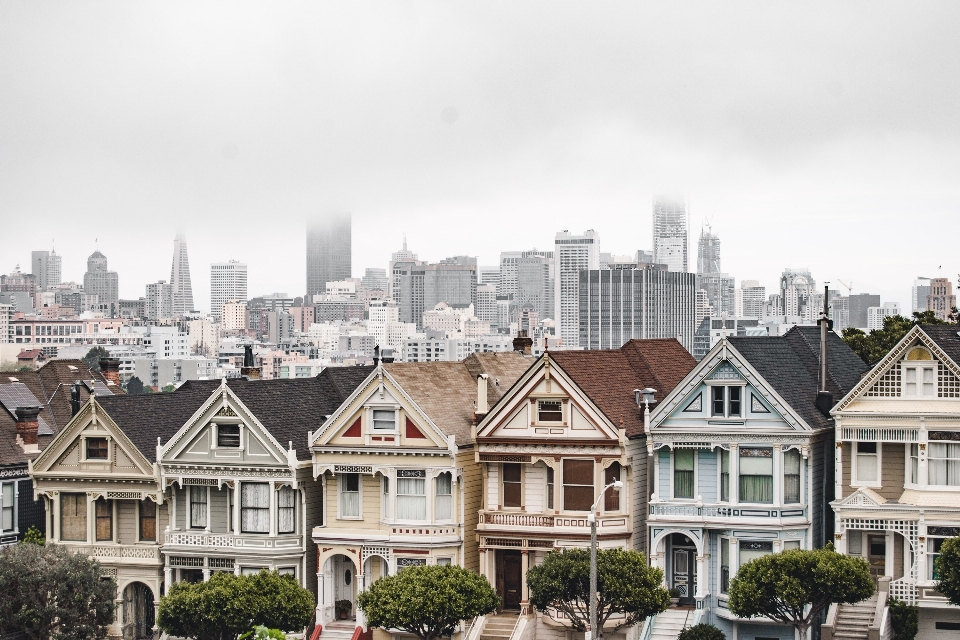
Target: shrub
(701,631)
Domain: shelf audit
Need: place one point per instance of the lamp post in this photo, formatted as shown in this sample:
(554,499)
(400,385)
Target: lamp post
(617,485)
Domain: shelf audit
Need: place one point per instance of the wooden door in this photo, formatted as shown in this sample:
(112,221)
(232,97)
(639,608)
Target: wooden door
(877,555)
(511,579)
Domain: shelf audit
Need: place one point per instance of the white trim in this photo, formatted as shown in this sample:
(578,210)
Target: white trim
(696,477)
(854,478)
(341,479)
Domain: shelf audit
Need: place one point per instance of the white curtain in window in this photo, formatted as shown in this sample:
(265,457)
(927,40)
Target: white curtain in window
(286,510)
(791,477)
(411,499)
(350,495)
(6,506)
(255,507)
(198,507)
(444,497)
(944,463)
(866,467)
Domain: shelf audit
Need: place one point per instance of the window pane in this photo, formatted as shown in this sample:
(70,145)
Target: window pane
(254,507)
(444,507)
(724,476)
(228,435)
(866,467)
(752,550)
(286,510)
(578,472)
(734,400)
(198,507)
(411,499)
(384,419)
(97,449)
(577,498)
(611,500)
(104,512)
(549,411)
(511,472)
(791,477)
(756,475)
(350,495)
(717,404)
(724,565)
(549,487)
(73,516)
(683,484)
(577,485)
(148,520)
(683,459)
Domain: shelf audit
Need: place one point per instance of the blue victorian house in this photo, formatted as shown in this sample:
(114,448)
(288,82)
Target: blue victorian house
(742,457)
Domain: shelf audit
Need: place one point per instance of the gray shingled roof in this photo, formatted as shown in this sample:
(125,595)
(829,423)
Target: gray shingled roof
(791,365)
(947,338)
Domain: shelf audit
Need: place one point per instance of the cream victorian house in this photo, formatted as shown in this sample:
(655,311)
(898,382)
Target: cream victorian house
(400,484)
(897,493)
(547,448)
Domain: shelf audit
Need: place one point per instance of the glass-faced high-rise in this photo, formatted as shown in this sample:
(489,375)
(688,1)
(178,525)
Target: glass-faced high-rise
(328,251)
(670,233)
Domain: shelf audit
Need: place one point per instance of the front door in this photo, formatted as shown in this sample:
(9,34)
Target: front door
(877,555)
(685,574)
(509,578)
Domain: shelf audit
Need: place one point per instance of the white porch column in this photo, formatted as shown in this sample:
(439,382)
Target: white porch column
(922,446)
(524,589)
(777,475)
(734,473)
(167,580)
(91,519)
(837,473)
(888,556)
(236,507)
(273,509)
(702,575)
(656,473)
(173,508)
(54,535)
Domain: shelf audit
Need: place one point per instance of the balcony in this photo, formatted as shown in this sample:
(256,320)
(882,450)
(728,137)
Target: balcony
(213,541)
(543,524)
(121,553)
(722,514)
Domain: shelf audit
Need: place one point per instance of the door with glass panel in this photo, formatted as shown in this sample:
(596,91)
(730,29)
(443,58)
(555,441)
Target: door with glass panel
(684,567)
(877,555)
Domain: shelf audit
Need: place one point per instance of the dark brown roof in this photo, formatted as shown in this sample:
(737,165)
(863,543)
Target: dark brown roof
(51,385)
(947,338)
(447,391)
(609,376)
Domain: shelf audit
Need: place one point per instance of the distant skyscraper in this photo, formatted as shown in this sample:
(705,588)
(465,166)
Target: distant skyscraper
(101,282)
(670,234)
(182,300)
(488,275)
(329,251)
(527,277)
(941,300)
(752,299)
(375,280)
(158,301)
(799,296)
(395,275)
(919,293)
(46,269)
(720,287)
(228,283)
(572,254)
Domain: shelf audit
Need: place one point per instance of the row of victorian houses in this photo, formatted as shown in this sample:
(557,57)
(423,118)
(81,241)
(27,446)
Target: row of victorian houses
(492,462)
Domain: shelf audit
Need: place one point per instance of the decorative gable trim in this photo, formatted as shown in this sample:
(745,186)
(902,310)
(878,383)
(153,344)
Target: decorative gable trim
(353,431)
(862,497)
(412,431)
(696,405)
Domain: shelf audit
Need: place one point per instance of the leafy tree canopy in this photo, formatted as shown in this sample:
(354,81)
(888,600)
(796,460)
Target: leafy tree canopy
(428,601)
(904,618)
(52,593)
(34,536)
(948,567)
(781,586)
(92,359)
(701,631)
(874,346)
(136,387)
(228,605)
(169,388)
(625,585)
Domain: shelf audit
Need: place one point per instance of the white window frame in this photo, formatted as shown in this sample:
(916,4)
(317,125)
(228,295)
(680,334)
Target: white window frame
(94,436)
(731,562)
(396,420)
(696,476)
(726,384)
(341,481)
(436,495)
(854,477)
(15,491)
(919,366)
(522,505)
(783,478)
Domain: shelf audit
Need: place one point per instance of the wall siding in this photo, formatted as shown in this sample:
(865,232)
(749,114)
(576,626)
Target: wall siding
(493,486)
(665,490)
(127,513)
(707,475)
(535,487)
(217,510)
(892,470)
(639,491)
(472,499)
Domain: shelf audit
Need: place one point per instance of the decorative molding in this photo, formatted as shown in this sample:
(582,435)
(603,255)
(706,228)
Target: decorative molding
(542,450)
(748,438)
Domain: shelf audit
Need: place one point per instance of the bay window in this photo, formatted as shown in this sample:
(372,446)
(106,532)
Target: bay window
(198,507)
(724,564)
(104,519)
(255,507)
(756,474)
(444,505)
(914,463)
(512,488)
(350,495)
(286,510)
(73,516)
(944,464)
(577,485)
(6,506)
(683,474)
(611,500)
(411,494)
(550,482)
(791,477)
(867,462)
(753,549)
(724,476)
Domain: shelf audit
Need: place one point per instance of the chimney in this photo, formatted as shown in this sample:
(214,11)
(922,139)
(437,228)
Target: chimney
(482,408)
(376,355)
(249,370)
(824,398)
(75,399)
(388,356)
(28,426)
(522,343)
(110,368)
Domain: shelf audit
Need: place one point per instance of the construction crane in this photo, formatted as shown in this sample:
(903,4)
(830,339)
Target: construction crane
(848,286)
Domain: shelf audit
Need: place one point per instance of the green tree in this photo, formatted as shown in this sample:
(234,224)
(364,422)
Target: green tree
(948,570)
(878,343)
(701,631)
(904,619)
(135,386)
(170,388)
(228,605)
(795,587)
(34,536)
(625,585)
(92,359)
(427,601)
(51,593)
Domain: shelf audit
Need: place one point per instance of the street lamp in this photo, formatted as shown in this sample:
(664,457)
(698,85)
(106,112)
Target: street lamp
(617,485)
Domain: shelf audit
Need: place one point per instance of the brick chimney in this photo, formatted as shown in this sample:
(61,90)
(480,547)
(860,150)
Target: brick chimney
(110,368)
(28,426)
(523,343)
(249,370)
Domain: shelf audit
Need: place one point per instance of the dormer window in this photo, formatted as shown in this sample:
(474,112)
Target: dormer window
(549,411)
(919,374)
(726,401)
(97,449)
(228,435)
(385,419)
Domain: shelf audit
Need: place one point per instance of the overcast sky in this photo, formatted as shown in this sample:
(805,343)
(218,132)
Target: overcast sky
(818,135)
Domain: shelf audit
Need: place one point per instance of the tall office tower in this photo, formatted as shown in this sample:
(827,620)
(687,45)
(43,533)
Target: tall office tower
(488,275)
(720,287)
(644,256)
(857,306)
(617,305)
(941,300)
(404,255)
(572,254)
(407,290)
(453,280)
(228,282)
(46,269)
(486,308)
(329,248)
(103,283)
(670,233)
(799,296)
(535,285)
(158,301)
(375,280)
(703,308)
(918,294)
(182,301)
(752,298)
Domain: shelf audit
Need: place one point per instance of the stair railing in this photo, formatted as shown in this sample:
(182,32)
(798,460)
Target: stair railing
(828,627)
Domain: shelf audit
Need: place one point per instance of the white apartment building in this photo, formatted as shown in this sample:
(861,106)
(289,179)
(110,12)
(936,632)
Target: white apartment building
(445,318)
(166,342)
(875,315)
(487,303)
(669,234)
(234,317)
(204,336)
(572,255)
(228,282)
(750,299)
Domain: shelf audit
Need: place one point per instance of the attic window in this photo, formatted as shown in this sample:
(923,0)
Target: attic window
(228,435)
(97,449)
(549,411)
(384,419)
